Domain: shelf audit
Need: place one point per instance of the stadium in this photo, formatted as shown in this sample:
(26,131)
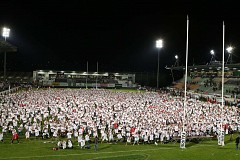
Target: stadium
(83,85)
(67,110)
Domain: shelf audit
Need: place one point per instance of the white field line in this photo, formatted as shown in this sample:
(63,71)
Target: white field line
(144,155)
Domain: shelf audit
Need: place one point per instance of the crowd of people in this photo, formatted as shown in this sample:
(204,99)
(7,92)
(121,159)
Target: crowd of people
(111,116)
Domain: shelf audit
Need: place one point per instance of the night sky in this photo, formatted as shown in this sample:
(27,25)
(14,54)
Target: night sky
(119,34)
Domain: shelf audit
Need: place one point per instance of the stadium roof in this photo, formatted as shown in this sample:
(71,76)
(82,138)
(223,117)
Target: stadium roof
(7,47)
(81,72)
(235,66)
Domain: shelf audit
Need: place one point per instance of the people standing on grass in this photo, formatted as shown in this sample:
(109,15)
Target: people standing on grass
(61,113)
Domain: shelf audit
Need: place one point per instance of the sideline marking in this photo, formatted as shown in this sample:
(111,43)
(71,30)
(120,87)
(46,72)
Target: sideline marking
(146,156)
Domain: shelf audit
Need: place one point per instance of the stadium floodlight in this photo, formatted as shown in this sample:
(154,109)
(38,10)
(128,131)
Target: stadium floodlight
(5,34)
(176,62)
(229,50)
(159,45)
(212,53)
(176,56)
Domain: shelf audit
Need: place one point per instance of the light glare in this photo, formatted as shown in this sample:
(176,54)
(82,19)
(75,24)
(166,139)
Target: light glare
(159,43)
(229,49)
(212,52)
(5,32)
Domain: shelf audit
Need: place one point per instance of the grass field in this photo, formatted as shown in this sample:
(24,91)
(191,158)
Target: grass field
(42,149)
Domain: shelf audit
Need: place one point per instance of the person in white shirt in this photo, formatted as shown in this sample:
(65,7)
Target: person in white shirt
(59,144)
(87,139)
(75,134)
(82,143)
(27,135)
(156,136)
(104,137)
(69,135)
(136,139)
(64,145)
(119,137)
(79,140)
(128,138)
(1,136)
(110,139)
(70,145)
(55,134)
(145,139)
(151,138)
(45,133)
(36,132)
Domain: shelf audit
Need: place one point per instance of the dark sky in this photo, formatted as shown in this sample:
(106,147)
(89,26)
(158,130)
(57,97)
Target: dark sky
(119,34)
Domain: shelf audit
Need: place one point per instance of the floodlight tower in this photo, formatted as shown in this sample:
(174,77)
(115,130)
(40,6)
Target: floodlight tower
(213,54)
(177,62)
(175,65)
(5,34)
(229,50)
(159,45)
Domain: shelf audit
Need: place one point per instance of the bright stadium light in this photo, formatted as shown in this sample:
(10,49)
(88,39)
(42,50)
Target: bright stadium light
(159,45)
(229,50)
(212,58)
(5,34)
(212,52)
(176,62)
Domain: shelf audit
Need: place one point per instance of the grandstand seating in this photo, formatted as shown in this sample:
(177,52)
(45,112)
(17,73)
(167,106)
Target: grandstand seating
(25,77)
(210,85)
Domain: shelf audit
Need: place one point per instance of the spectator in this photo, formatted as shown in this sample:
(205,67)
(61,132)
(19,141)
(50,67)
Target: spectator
(15,137)
(237,142)
(95,143)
